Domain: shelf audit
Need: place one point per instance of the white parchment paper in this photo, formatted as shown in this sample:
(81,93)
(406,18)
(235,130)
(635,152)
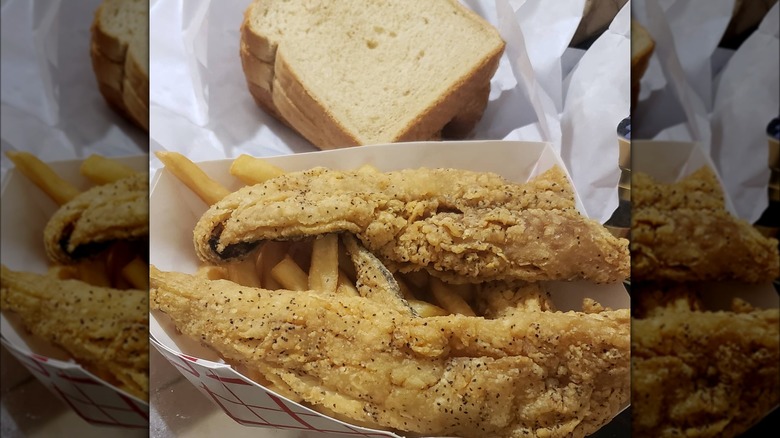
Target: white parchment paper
(51,105)
(688,94)
(199,104)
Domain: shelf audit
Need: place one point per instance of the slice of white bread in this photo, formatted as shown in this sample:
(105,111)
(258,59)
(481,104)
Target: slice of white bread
(120,56)
(347,73)
(642,46)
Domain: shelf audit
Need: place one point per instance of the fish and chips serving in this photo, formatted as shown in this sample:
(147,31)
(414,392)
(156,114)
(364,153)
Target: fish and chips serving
(431,301)
(82,285)
(705,329)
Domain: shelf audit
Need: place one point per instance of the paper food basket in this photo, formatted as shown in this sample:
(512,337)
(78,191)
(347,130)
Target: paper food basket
(175,210)
(25,214)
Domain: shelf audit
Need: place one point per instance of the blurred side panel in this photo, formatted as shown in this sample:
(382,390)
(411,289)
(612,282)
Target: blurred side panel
(74,294)
(705,261)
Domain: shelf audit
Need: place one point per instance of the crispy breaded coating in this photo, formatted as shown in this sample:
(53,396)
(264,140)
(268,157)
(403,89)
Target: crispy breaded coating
(535,374)
(682,232)
(701,373)
(499,299)
(460,226)
(104,329)
(97,217)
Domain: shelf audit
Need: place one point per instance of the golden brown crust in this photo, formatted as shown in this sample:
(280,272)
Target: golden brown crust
(104,329)
(682,232)
(548,374)
(458,225)
(102,214)
(697,372)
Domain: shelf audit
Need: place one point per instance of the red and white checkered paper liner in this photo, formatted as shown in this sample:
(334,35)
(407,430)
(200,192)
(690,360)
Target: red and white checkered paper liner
(94,400)
(251,404)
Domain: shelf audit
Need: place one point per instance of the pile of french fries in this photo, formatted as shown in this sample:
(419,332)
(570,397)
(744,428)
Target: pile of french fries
(318,263)
(122,266)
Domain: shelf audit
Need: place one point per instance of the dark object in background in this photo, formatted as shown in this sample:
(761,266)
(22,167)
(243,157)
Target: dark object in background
(745,19)
(597,16)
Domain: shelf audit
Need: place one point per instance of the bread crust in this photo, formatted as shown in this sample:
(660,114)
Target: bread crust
(107,71)
(110,45)
(258,72)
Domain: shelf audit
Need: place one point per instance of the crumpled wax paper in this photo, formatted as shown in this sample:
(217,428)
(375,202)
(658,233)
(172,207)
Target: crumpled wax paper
(695,91)
(51,105)
(542,91)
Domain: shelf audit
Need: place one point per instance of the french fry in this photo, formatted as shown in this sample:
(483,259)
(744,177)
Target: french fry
(418,279)
(449,299)
(345,263)
(101,170)
(43,176)
(426,309)
(290,275)
(94,272)
(405,291)
(251,170)
(300,252)
(346,287)
(193,177)
(466,291)
(119,255)
(324,269)
(245,272)
(63,272)
(137,273)
(212,272)
(270,255)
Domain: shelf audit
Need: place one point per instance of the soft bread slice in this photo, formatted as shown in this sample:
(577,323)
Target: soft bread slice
(137,69)
(258,72)
(642,46)
(136,106)
(120,56)
(363,73)
(118,23)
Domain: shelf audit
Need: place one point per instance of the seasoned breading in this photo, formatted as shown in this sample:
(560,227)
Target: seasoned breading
(682,232)
(459,225)
(106,330)
(701,373)
(533,373)
(97,217)
(499,299)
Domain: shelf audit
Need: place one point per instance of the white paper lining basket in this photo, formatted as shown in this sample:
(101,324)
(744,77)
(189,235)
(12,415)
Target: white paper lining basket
(176,209)
(93,399)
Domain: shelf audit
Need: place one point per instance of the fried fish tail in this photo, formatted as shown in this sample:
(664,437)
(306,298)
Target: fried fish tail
(105,329)
(551,374)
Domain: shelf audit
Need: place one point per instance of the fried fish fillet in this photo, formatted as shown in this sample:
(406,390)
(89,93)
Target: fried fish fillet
(460,226)
(106,330)
(539,374)
(97,217)
(701,373)
(683,232)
